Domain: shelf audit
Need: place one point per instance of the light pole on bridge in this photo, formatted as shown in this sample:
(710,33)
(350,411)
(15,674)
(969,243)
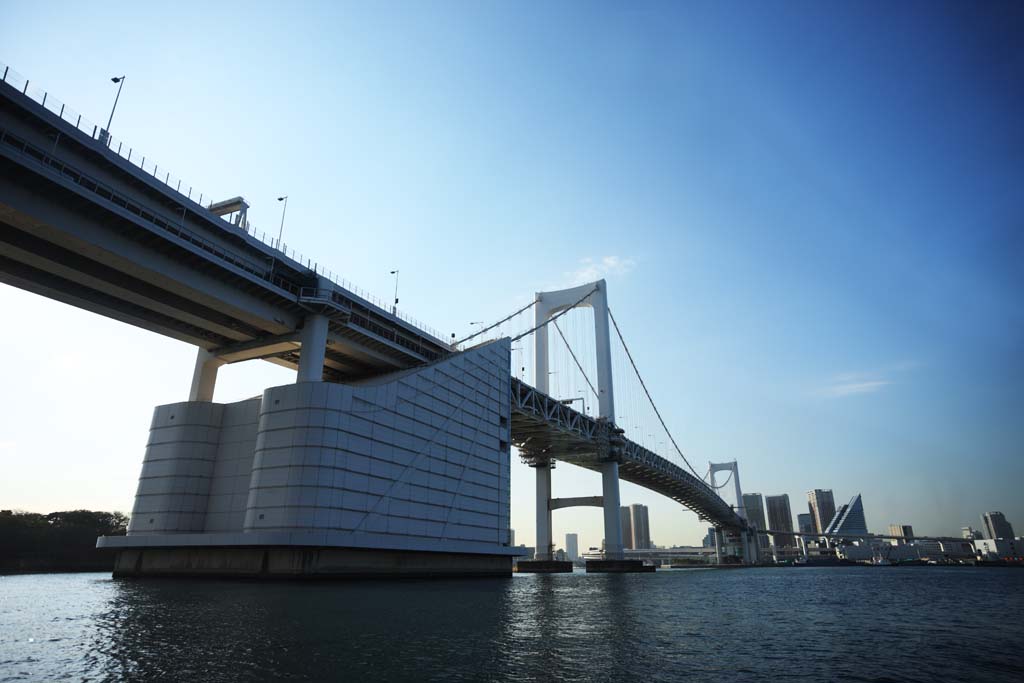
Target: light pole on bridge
(394,308)
(284,209)
(120,81)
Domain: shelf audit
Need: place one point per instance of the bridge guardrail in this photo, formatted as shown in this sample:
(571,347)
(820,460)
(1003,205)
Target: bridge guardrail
(126,152)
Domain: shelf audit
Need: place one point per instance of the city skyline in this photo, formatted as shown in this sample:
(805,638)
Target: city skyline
(832,252)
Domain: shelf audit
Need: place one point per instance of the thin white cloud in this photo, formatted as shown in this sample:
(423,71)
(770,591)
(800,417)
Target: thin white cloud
(857,383)
(850,388)
(590,269)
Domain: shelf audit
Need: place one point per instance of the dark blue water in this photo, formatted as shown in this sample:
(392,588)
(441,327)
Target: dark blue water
(870,624)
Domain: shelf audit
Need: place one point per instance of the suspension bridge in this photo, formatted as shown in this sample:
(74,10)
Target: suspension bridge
(86,220)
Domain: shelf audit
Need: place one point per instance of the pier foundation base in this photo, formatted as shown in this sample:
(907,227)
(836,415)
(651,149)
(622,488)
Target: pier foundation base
(617,566)
(543,567)
(305,563)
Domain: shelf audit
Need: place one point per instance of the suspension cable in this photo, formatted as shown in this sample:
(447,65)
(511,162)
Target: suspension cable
(648,393)
(554,317)
(722,485)
(491,327)
(582,371)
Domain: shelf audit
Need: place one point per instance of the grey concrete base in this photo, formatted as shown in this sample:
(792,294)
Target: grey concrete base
(618,566)
(543,567)
(305,563)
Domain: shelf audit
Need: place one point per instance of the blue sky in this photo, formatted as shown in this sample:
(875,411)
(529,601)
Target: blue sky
(808,214)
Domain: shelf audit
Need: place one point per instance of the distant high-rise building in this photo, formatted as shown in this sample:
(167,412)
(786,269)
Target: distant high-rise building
(822,507)
(805,523)
(512,537)
(996,525)
(753,505)
(572,547)
(709,540)
(903,532)
(641,526)
(970,533)
(780,518)
(849,519)
(626,521)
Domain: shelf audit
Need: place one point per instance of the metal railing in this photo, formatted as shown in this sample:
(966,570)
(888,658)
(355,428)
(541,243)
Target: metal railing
(126,152)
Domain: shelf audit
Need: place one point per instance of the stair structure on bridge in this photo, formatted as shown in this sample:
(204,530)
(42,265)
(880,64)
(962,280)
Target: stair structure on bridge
(389,455)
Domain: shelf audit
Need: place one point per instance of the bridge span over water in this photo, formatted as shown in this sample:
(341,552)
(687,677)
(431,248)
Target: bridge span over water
(84,222)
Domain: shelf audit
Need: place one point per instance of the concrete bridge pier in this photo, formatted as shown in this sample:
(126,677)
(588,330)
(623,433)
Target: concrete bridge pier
(612,519)
(313,338)
(543,561)
(204,378)
(544,545)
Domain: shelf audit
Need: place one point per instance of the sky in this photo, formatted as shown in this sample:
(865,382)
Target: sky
(808,215)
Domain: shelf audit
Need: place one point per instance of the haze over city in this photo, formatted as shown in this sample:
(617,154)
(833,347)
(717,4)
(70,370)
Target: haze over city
(806,216)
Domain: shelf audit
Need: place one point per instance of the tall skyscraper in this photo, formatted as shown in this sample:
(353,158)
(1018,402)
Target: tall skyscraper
(996,525)
(641,526)
(626,521)
(849,519)
(753,504)
(780,518)
(904,532)
(709,539)
(572,547)
(512,537)
(805,523)
(822,507)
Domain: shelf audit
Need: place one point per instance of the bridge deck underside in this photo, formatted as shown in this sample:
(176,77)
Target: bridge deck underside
(543,428)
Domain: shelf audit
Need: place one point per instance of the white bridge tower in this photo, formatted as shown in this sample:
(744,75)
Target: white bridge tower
(549,304)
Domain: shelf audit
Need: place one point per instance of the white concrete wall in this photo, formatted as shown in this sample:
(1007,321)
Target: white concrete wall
(414,460)
(421,455)
(175,482)
(229,485)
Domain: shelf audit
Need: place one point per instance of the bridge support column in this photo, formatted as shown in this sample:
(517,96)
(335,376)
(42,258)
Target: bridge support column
(314,347)
(543,551)
(612,521)
(204,377)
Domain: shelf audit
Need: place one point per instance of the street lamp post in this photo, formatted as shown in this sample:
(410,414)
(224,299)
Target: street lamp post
(120,81)
(283,210)
(394,309)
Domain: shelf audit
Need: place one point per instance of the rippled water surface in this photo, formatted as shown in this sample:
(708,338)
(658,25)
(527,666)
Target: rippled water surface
(898,624)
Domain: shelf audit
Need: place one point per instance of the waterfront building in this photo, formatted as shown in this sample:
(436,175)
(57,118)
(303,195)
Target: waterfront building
(572,547)
(1011,549)
(957,551)
(626,521)
(709,539)
(849,519)
(822,507)
(901,532)
(780,518)
(641,526)
(805,523)
(996,525)
(970,533)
